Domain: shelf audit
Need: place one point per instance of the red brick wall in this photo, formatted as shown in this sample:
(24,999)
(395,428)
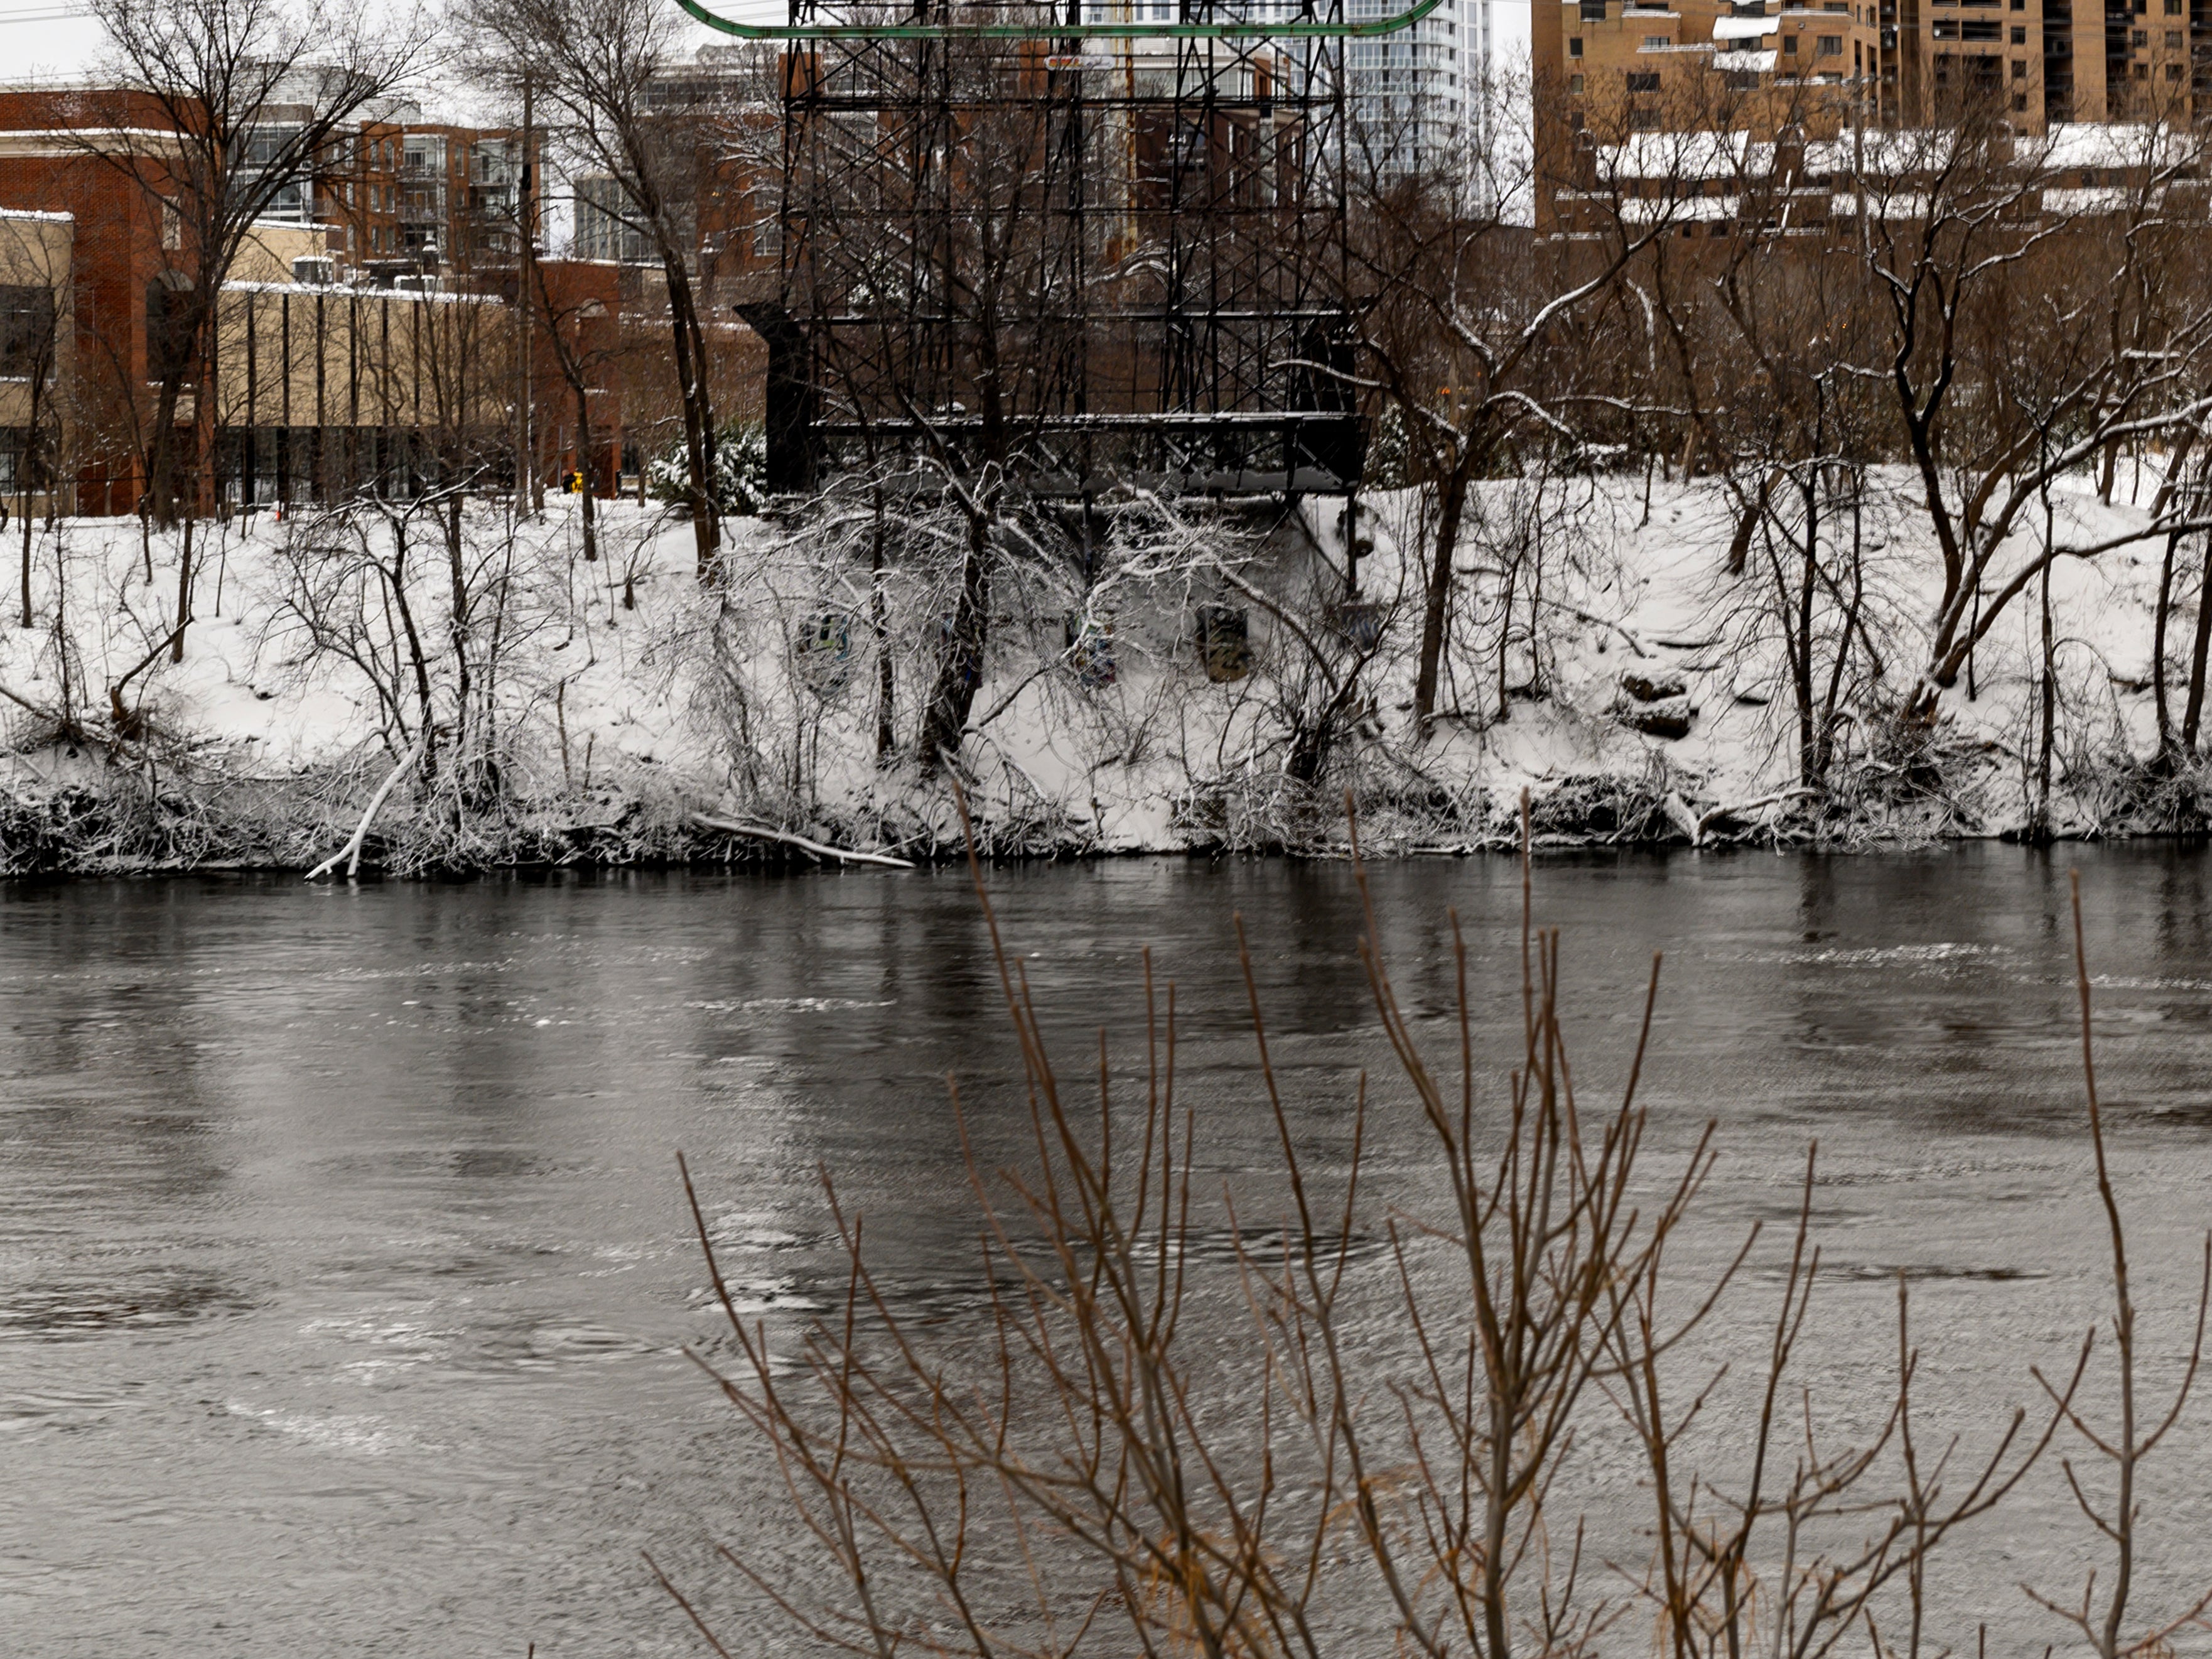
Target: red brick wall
(118,251)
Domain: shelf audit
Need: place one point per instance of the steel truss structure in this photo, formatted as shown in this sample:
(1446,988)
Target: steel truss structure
(1080,242)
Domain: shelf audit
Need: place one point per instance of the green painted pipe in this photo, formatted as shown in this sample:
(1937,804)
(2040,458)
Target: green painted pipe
(1049,30)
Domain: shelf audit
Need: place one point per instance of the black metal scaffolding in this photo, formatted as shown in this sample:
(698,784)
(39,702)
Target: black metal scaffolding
(1078,260)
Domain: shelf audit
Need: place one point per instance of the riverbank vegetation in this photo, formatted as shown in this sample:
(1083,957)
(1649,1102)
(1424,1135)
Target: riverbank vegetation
(1462,1405)
(1173,675)
(1796,492)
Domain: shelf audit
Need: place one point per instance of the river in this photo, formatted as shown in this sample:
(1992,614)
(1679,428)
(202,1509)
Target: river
(344,1273)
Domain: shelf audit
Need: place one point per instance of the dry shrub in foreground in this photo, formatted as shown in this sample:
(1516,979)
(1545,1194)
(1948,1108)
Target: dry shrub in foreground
(1167,1448)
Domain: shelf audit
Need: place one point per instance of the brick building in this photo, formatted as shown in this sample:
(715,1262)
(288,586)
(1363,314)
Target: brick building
(346,359)
(1759,65)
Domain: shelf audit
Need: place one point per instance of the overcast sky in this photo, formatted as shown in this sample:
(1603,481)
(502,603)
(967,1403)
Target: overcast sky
(44,38)
(39,38)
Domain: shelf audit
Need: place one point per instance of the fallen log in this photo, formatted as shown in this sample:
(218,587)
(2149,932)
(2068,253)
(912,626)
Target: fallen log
(760,832)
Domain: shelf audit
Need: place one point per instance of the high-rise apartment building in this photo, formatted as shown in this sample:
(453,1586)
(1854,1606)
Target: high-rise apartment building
(1416,97)
(1420,98)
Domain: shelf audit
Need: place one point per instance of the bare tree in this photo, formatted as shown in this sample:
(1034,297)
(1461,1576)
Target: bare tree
(1762,340)
(1965,231)
(609,68)
(1119,1464)
(1472,326)
(2126,1447)
(37,324)
(585,339)
(216,110)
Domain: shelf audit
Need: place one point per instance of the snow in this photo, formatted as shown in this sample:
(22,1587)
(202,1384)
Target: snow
(2104,198)
(2116,144)
(1650,210)
(699,700)
(1685,155)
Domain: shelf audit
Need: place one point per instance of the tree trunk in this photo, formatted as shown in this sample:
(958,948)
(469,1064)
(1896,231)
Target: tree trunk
(961,671)
(1505,640)
(690,346)
(161,462)
(184,595)
(458,629)
(2197,656)
(1739,553)
(425,708)
(584,476)
(203,480)
(2158,646)
(33,464)
(61,634)
(886,671)
(1808,762)
(1825,754)
(26,493)
(1436,603)
(2050,720)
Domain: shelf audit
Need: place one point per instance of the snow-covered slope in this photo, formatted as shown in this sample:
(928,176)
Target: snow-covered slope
(1619,673)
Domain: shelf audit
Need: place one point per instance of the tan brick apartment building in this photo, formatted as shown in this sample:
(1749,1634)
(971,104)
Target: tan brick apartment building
(1757,65)
(1709,114)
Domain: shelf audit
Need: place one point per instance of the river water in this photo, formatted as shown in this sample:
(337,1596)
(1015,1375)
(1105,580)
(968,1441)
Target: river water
(344,1273)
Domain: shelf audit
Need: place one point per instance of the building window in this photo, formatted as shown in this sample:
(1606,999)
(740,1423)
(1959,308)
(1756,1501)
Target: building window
(2173,71)
(1830,45)
(1656,42)
(26,330)
(1593,11)
(2019,34)
(2020,101)
(2139,39)
(1644,83)
(2142,71)
(1574,83)
(1575,45)
(2019,68)
(168,329)
(1977,29)
(1790,44)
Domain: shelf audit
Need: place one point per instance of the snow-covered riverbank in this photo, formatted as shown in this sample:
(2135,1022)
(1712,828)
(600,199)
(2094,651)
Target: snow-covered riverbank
(1647,701)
